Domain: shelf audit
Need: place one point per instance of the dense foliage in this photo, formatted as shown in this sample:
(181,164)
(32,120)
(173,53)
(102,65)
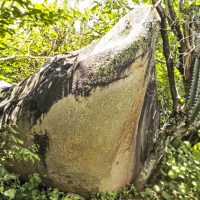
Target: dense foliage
(30,33)
(34,32)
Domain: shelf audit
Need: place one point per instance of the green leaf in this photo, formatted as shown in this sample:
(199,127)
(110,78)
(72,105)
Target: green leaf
(166,196)
(1,189)
(149,191)
(10,193)
(16,11)
(156,188)
(172,174)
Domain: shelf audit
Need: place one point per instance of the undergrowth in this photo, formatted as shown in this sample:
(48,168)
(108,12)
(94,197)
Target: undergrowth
(178,178)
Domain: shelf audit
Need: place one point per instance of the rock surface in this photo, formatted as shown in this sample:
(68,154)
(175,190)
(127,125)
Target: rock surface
(93,112)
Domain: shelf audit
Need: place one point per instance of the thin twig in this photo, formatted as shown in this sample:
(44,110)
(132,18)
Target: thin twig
(26,56)
(24,42)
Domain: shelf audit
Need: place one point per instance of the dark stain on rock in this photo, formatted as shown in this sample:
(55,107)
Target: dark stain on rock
(148,122)
(70,182)
(42,142)
(33,105)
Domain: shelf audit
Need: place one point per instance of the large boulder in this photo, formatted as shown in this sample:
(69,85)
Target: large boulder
(93,112)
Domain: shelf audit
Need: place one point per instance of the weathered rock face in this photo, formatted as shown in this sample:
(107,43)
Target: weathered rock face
(91,112)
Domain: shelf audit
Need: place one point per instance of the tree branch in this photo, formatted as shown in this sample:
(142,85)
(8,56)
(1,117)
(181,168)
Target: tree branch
(24,42)
(180,5)
(2,5)
(26,56)
(187,55)
(168,57)
(178,33)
